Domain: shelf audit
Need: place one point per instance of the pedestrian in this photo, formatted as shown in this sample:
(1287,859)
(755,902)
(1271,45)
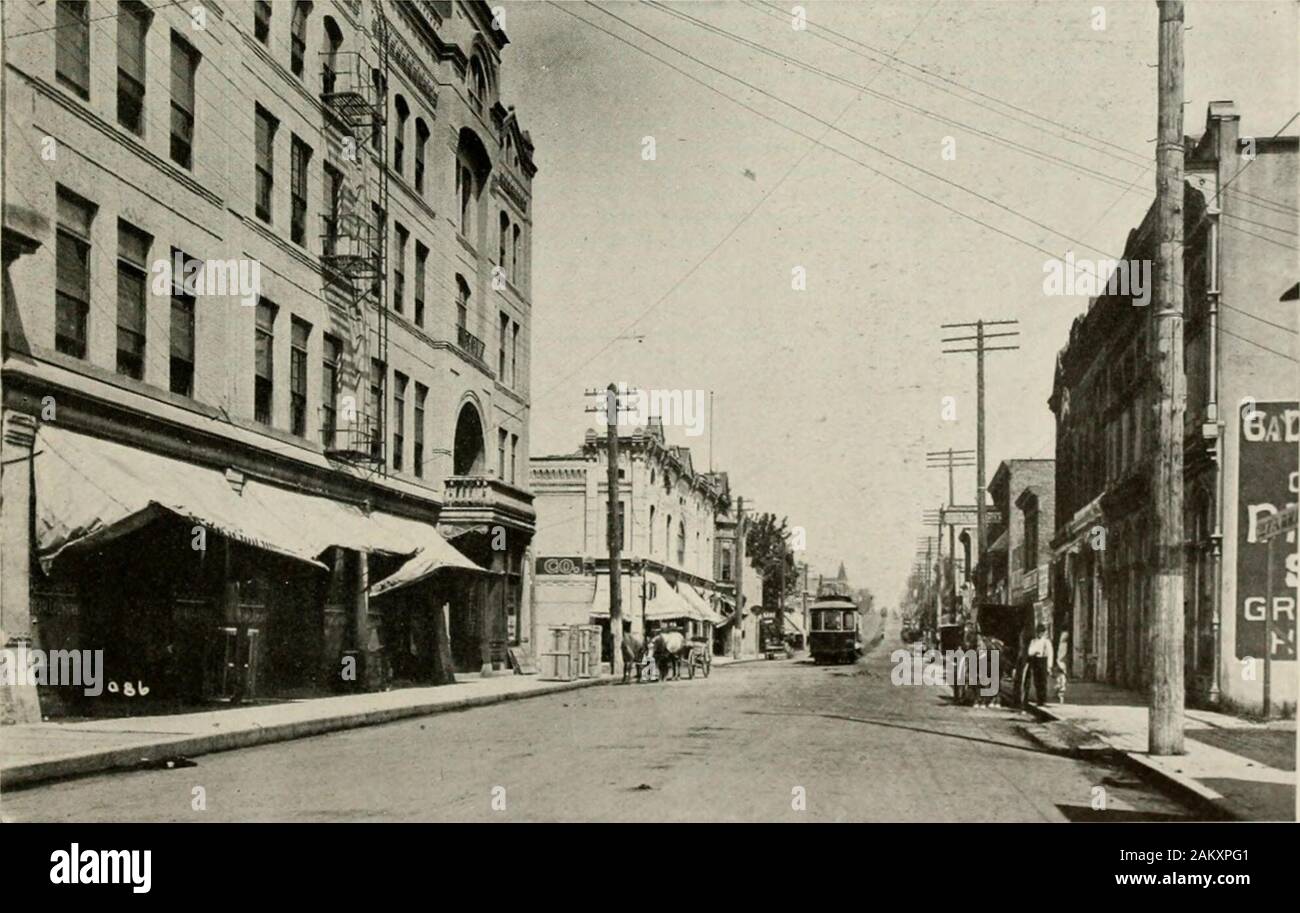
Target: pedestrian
(1062,657)
(1040,660)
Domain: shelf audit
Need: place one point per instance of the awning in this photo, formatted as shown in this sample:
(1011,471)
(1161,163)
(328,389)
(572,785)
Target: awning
(699,602)
(90,491)
(662,601)
(435,554)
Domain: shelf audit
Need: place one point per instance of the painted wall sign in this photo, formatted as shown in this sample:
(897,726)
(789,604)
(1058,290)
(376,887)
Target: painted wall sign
(1268,479)
(559,565)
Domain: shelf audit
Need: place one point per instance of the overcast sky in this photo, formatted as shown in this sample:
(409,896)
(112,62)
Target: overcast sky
(827,398)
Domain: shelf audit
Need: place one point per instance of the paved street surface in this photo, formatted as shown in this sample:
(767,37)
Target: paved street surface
(738,746)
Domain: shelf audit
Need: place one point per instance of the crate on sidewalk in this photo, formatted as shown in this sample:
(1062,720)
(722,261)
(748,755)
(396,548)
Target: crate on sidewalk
(573,653)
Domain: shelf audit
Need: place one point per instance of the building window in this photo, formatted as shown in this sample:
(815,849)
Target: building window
(72,273)
(181,376)
(399,419)
(421,394)
(501,347)
(516,271)
(72,45)
(132,26)
(468,196)
(503,237)
(477,85)
(132,298)
(514,356)
(333,195)
(650,546)
(330,68)
(264,362)
(299,160)
(725,570)
(421,260)
(185,61)
(421,141)
(399,133)
(681,542)
(298,37)
(462,302)
(514,458)
(501,454)
(381,98)
(265,165)
(301,333)
(380,220)
(375,406)
(400,236)
(262,21)
(1031,534)
(329,389)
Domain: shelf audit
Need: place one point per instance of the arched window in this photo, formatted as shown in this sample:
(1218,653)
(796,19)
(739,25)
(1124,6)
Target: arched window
(650,548)
(421,140)
(681,543)
(472,169)
(516,271)
(330,65)
(298,37)
(477,85)
(668,533)
(462,301)
(502,239)
(399,133)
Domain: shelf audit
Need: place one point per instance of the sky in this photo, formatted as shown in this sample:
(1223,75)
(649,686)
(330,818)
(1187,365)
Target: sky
(675,272)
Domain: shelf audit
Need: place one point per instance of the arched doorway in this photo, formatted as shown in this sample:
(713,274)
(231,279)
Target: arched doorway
(469,457)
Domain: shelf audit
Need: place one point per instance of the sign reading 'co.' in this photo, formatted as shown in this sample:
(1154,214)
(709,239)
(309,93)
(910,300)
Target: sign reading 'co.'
(559,566)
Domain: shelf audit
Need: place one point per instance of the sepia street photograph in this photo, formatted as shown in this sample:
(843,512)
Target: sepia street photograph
(445,412)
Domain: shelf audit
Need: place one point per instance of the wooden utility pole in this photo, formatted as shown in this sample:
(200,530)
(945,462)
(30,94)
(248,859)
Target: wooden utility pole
(980,339)
(614,525)
(738,556)
(1165,721)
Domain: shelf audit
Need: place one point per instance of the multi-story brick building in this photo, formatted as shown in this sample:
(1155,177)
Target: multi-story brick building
(320,422)
(668,555)
(1014,570)
(1241,429)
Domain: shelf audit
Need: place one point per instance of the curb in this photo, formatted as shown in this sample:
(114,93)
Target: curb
(98,761)
(1185,789)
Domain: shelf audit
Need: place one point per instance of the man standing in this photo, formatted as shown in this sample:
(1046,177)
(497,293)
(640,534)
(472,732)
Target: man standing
(1040,660)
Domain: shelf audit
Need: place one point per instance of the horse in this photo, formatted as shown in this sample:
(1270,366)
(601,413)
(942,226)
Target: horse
(670,648)
(983,645)
(634,653)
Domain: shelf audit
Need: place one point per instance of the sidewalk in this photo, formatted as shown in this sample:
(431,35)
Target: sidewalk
(1242,769)
(36,752)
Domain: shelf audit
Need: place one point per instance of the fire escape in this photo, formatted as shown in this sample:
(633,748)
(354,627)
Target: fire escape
(354,241)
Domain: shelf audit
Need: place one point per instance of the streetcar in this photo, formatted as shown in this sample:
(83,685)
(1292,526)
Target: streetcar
(834,635)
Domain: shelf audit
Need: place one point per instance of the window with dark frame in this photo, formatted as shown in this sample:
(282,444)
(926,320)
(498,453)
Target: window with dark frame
(181,363)
(72,45)
(501,347)
(332,354)
(375,405)
(421,141)
(262,21)
(265,164)
(421,395)
(333,195)
(301,335)
(501,454)
(462,302)
(399,133)
(132,298)
(264,363)
(514,356)
(132,28)
(299,162)
(399,419)
(421,261)
(72,273)
(185,61)
(400,236)
(514,458)
(298,37)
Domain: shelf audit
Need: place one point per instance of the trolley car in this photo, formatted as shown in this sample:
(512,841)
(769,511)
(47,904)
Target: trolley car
(833,635)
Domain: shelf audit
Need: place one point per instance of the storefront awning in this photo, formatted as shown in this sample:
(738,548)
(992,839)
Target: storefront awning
(662,601)
(90,491)
(700,603)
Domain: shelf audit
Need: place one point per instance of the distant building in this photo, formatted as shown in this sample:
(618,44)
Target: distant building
(669,516)
(1240,436)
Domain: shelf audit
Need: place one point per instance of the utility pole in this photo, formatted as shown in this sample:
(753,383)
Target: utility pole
(950,459)
(980,339)
(738,557)
(1165,720)
(614,524)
